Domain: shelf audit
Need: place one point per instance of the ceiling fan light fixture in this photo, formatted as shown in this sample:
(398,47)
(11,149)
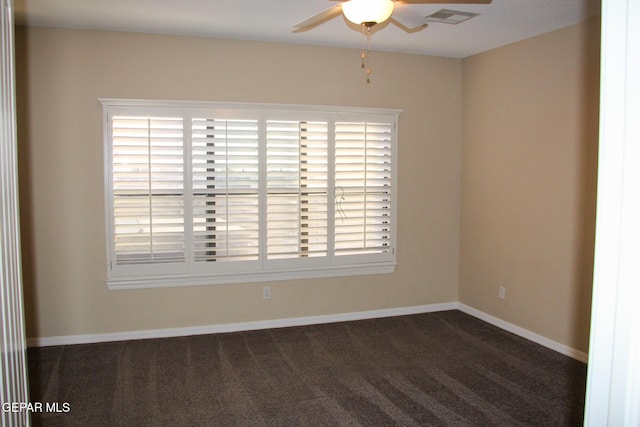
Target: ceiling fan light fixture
(367,12)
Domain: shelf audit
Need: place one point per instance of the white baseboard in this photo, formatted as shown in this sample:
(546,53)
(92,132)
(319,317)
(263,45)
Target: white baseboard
(308,320)
(235,327)
(524,333)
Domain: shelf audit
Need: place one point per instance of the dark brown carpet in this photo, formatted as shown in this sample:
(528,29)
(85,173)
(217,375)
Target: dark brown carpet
(443,368)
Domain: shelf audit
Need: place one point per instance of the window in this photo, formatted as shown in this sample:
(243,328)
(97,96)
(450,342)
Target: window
(205,193)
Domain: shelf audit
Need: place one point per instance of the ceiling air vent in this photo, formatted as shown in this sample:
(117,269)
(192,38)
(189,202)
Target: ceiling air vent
(454,17)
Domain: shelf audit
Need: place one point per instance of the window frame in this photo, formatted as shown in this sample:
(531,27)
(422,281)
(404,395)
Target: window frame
(264,269)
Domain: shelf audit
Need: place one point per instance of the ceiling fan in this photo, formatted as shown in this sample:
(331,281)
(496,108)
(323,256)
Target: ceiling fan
(371,12)
(368,13)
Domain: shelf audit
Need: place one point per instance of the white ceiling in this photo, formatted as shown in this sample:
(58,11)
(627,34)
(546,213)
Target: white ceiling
(501,22)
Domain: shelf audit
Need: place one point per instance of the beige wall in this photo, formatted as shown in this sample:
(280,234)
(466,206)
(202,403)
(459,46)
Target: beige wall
(530,127)
(62,73)
(518,213)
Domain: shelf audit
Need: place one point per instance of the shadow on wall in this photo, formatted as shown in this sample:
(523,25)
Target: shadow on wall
(588,179)
(23,97)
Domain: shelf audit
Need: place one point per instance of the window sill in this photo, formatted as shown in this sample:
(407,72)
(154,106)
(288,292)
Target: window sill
(262,276)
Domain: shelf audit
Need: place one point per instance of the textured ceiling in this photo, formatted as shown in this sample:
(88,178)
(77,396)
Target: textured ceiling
(499,23)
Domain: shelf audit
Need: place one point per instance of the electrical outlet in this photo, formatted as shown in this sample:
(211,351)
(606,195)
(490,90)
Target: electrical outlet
(502,292)
(266,292)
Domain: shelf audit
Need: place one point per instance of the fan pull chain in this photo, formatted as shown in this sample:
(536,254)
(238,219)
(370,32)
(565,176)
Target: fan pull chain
(366,49)
(363,55)
(368,54)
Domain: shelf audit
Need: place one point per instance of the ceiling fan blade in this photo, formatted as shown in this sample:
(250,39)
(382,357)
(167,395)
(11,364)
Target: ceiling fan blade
(445,1)
(407,29)
(318,19)
(408,18)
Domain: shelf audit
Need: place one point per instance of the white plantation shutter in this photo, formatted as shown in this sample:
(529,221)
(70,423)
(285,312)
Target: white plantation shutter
(363,188)
(226,213)
(297,189)
(148,183)
(202,193)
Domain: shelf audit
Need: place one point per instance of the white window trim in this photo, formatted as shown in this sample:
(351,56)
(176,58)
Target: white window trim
(269,271)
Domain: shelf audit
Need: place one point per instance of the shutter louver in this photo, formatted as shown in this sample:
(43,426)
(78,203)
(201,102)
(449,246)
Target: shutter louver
(225,178)
(297,189)
(148,199)
(363,188)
